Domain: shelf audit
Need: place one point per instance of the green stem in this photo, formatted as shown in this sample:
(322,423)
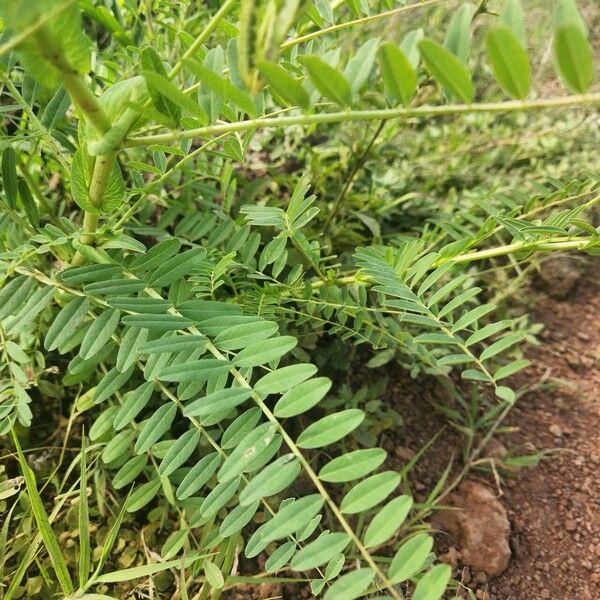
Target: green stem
(210,27)
(71,79)
(370,19)
(103,167)
(365,115)
(549,245)
(357,165)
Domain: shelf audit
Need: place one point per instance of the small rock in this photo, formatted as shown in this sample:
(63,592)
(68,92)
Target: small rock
(480,526)
(495,449)
(404,453)
(480,577)
(570,525)
(555,430)
(559,275)
(545,593)
(451,557)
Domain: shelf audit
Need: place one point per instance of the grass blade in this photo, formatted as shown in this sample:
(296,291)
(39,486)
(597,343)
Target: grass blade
(37,507)
(84,521)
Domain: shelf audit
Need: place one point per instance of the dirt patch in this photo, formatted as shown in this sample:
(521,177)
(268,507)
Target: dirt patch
(554,507)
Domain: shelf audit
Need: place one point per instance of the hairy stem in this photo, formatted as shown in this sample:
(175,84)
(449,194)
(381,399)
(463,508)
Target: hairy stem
(366,115)
(548,245)
(73,82)
(102,169)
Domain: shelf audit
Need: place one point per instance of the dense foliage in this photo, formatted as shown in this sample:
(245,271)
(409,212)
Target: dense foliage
(190,260)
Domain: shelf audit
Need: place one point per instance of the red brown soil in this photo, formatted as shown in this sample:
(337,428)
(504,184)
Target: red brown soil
(553,507)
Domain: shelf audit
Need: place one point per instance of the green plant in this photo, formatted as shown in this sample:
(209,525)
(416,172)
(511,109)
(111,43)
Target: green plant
(188,310)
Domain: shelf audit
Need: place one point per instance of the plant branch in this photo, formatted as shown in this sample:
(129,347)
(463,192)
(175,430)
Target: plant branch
(73,82)
(357,165)
(362,21)
(103,167)
(547,245)
(366,115)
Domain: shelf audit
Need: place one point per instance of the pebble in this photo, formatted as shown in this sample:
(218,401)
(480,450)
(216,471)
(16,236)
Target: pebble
(545,593)
(555,430)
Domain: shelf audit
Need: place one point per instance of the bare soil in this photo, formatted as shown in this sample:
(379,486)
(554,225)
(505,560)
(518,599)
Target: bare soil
(554,506)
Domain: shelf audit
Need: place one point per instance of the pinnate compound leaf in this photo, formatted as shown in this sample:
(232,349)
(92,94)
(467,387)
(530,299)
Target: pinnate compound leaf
(350,586)
(155,427)
(270,481)
(352,465)
(284,85)
(410,558)
(330,429)
(573,57)
(448,70)
(433,584)
(387,520)
(302,397)
(329,81)
(370,492)
(509,61)
(399,76)
(322,550)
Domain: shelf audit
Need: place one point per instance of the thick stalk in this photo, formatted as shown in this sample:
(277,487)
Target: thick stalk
(365,115)
(78,90)
(87,103)
(103,167)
